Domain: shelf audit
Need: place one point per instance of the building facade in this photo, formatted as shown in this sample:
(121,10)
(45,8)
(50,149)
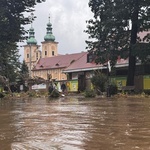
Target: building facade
(75,69)
(32,54)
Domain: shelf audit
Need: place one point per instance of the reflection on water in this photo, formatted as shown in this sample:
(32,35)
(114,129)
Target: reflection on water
(75,124)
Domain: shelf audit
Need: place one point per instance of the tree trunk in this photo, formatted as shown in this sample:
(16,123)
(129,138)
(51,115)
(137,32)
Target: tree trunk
(132,58)
(131,71)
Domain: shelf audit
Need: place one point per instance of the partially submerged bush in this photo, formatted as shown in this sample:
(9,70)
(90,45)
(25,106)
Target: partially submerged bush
(32,94)
(2,95)
(54,94)
(101,84)
(99,81)
(113,89)
(147,92)
(89,93)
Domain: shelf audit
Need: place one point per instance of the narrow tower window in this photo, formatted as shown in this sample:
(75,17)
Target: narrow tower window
(45,53)
(37,56)
(53,53)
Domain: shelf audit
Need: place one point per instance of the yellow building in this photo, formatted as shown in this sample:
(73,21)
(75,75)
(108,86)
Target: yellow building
(31,51)
(47,61)
(77,68)
(32,54)
(54,66)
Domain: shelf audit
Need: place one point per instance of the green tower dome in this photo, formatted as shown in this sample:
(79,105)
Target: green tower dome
(49,36)
(31,39)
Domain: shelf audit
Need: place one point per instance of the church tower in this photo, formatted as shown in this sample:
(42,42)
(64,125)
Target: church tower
(49,46)
(31,51)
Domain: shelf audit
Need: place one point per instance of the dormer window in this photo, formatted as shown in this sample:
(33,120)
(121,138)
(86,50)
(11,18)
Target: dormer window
(57,64)
(72,61)
(90,57)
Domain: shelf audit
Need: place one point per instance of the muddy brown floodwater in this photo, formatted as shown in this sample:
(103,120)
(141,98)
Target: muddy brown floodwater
(75,124)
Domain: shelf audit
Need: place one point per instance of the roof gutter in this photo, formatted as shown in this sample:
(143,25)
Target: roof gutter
(95,68)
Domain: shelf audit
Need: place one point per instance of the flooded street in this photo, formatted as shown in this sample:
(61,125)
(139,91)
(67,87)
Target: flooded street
(75,124)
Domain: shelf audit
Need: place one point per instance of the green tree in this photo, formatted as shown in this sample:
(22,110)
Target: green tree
(115,31)
(9,64)
(24,69)
(24,72)
(23,76)
(99,81)
(12,21)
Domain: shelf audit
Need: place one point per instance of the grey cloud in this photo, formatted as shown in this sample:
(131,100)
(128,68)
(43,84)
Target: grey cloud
(68,18)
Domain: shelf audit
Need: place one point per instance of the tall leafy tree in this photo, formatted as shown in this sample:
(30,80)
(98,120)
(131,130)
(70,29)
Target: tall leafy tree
(24,69)
(12,21)
(24,72)
(23,75)
(115,29)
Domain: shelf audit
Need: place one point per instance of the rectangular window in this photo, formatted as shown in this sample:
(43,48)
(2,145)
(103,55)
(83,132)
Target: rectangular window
(45,53)
(27,55)
(53,53)
(89,58)
(36,56)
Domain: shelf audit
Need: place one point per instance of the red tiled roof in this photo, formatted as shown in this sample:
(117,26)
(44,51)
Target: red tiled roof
(122,61)
(82,64)
(61,61)
(142,35)
(75,62)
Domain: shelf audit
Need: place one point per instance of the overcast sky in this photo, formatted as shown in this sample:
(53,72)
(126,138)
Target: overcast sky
(68,18)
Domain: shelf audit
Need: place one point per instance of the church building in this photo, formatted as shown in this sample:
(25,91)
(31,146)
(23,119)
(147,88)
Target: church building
(32,53)
(45,62)
(77,68)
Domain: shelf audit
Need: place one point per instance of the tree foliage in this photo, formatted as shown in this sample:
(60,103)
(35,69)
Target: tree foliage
(23,74)
(114,31)
(24,69)
(12,21)
(99,81)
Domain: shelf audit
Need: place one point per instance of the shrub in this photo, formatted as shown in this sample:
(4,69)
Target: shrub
(32,94)
(99,81)
(89,93)
(147,92)
(113,89)
(2,95)
(54,94)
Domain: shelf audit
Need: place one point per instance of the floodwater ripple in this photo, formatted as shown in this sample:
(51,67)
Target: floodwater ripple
(75,124)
